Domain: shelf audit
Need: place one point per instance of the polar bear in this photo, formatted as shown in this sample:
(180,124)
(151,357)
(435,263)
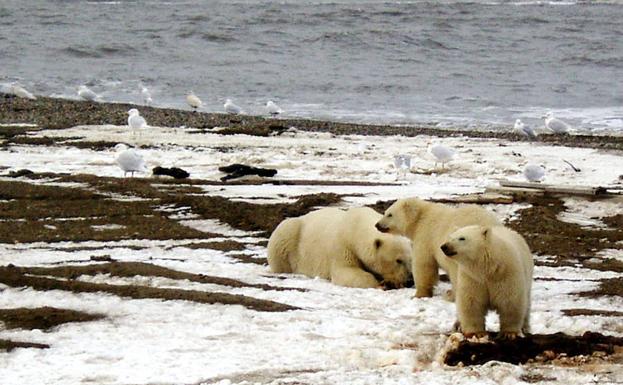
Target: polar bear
(428,224)
(494,273)
(340,245)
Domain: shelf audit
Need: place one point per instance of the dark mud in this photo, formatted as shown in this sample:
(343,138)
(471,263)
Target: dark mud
(131,269)
(591,312)
(18,277)
(537,347)
(61,113)
(570,242)
(8,345)
(40,213)
(43,318)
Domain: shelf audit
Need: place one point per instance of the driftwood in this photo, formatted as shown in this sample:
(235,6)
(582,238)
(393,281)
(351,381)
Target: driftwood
(535,188)
(483,199)
(536,346)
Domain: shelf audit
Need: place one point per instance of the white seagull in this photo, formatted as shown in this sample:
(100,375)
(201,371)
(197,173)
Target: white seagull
(523,130)
(136,121)
(129,160)
(20,91)
(193,101)
(231,108)
(441,153)
(86,93)
(555,125)
(273,108)
(534,172)
(402,163)
(146,95)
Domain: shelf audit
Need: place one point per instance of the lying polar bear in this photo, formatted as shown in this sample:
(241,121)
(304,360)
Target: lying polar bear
(340,245)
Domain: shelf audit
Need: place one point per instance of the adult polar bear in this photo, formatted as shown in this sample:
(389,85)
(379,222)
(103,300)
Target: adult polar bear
(495,268)
(428,225)
(340,245)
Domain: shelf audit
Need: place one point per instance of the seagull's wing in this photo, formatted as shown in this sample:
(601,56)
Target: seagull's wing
(558,125)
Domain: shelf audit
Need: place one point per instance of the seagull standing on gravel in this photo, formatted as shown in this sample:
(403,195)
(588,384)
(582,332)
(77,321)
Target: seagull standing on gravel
(523,130)
(441,153)
(129,160)
(146,95)
(231,108)
(136,121)
(193,101)
(534,172)
(86,93)
(273,108)
(556,125)
(21,92)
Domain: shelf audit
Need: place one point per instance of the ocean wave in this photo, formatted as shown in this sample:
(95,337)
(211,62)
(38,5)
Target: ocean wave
(217,37)
(101,51)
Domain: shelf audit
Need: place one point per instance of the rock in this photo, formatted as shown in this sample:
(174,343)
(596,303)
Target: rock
(175,172)
(238,170)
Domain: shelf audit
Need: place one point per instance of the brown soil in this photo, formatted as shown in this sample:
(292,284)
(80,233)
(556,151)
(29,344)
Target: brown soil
(43,317)
(540,347)
(61,113)
(8,345)
(227,245)
(570,242)
(131,269)
(18,277)
(591,312)
(40,206)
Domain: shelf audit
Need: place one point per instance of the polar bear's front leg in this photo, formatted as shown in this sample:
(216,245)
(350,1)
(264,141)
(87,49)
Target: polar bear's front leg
(353,277)
(471,306)
(425,271)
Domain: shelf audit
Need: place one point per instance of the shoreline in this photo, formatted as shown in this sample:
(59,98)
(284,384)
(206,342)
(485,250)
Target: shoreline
(55,113)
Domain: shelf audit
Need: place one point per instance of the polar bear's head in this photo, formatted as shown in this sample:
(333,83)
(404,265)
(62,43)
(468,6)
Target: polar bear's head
(400,215)
(467,244)
(392,259)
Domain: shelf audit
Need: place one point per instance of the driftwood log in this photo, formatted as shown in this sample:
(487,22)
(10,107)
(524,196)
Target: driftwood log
(535,346)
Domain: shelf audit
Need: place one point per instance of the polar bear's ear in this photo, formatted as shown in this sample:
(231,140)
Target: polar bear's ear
(377,243)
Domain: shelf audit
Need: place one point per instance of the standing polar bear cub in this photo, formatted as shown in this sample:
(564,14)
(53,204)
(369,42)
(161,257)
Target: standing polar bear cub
(340,245)
(428,224)
(494,273)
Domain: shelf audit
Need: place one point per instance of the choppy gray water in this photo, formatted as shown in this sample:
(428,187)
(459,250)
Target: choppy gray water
(447,62)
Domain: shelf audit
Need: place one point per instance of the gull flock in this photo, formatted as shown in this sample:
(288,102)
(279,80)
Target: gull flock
(130,161)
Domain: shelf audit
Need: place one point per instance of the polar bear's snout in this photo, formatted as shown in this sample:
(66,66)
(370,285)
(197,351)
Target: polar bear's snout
(448,250)
(381,227)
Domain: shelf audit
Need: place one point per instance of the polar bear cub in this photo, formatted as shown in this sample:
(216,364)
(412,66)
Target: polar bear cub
(340,245)
(428,224)
(494,273)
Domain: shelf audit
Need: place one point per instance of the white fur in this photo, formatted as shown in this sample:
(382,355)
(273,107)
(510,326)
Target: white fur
(495,273)
(340,245)
(428,224)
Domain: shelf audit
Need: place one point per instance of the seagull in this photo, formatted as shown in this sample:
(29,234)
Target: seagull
(555,125)
(402,163)
(136,121)
(272,108)
(129,160)
(146,95)
(20,91)
(231,108)
(86,93)
(523,130)
(441,153)
(534,172)
(193,101)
